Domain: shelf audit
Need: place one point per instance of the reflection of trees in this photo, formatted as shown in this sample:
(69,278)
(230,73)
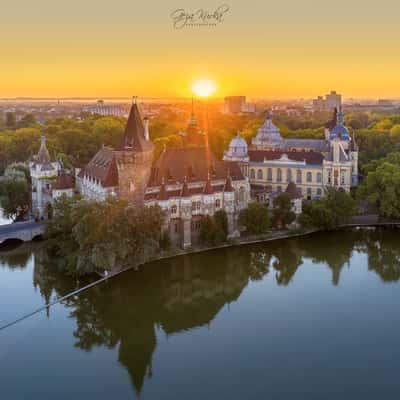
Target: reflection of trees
(333,248)
(17,257)
(188,292)
(384,254)
(287,261)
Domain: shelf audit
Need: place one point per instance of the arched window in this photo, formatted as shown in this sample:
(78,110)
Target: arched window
(309,177)
(319,192)
(252,174)
(269,174)
(288,175)
(217,203)
(319,177)
(298,176)
(174,209)
(279,175)
(259,174)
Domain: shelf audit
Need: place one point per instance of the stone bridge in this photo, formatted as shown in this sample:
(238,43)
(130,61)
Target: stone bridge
(24,231)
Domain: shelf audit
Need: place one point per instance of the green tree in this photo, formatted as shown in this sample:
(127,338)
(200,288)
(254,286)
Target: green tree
(282,213)
(382,186)
(88,236)
(221,226)
(14,192)
(27,121)
(255,218)
(395,130)
(11,120)
(207,230)
(335,209)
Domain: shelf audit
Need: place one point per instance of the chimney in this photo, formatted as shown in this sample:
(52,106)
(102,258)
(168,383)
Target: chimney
(146,129)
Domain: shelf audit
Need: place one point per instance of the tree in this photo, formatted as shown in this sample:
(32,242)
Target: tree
(335,209)
(27,121)
(395,130)
(255,218)
(382,186)
(10,120)
(221,226)
(14,191)
(283,214)
(207,230)
(88,236)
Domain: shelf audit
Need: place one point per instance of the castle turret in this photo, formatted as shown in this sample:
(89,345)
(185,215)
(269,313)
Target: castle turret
(43,172)
(134,157)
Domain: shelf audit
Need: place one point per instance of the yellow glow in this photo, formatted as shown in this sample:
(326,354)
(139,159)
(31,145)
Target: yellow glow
(204,87)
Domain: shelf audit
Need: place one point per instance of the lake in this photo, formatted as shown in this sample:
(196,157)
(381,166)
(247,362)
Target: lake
(309,318)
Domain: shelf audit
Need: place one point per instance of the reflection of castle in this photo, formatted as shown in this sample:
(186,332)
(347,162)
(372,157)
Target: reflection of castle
(188,292)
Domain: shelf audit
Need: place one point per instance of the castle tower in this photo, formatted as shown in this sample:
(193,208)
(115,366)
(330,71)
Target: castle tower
(43,171)
(134,157)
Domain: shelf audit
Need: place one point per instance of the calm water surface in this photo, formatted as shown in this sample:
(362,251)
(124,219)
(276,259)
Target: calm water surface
(311,318)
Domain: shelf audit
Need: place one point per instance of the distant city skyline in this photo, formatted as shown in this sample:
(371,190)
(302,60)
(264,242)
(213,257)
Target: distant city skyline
(285,49)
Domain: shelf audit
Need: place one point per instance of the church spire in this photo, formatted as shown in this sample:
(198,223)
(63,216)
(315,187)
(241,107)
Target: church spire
(134,136)
(43,156)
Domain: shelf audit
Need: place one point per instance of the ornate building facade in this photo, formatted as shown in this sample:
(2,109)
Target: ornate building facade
(272,162)
(187,183)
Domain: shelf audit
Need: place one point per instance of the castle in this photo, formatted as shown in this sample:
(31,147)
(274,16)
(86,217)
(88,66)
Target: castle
(272,162)
(190,182)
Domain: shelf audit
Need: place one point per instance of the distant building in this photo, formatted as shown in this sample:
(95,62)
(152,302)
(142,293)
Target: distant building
(106,109)
(237,105)
(385,103)
(330,102)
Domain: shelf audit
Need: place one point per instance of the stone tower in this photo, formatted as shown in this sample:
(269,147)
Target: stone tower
(134,157)
(43,172)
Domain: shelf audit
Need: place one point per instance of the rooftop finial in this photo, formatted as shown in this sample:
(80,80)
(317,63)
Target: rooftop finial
(134,98)
(339,116)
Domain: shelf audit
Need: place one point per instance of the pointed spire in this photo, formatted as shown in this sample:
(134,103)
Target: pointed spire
(185,189)
(339,117)
(228,183)
(162,194)
(134,134)
(208,189)
(43,156)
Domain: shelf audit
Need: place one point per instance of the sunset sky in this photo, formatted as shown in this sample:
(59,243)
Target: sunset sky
(286,48)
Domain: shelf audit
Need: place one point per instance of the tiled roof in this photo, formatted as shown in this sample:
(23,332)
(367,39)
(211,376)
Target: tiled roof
(103,167)
(193,163)
(64,181)
(310,157)
(164,194)
(315,144)
(133,136)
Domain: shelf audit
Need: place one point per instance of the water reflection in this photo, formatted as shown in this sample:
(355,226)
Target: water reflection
(188,292)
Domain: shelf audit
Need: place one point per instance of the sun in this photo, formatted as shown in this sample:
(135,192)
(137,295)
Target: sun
(203,87)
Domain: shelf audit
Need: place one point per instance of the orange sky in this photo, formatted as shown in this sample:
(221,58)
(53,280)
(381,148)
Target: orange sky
(125,47)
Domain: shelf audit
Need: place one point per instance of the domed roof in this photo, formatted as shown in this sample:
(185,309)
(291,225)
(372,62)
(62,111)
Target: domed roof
(268,134)
(340,131)
(238,142)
